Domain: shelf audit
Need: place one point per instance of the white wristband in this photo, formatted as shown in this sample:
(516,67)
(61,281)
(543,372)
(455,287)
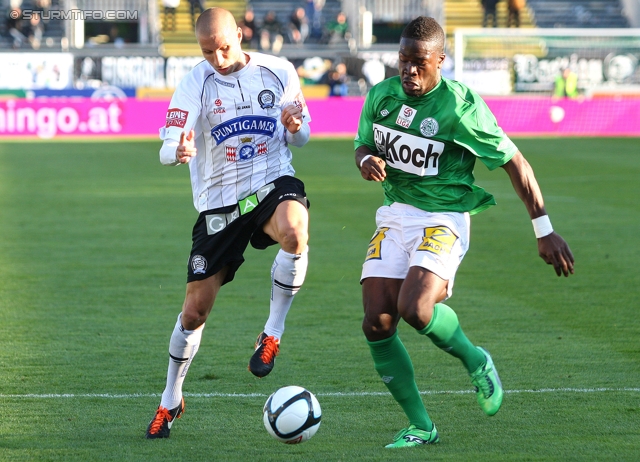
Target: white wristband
(542,226)
(363,159)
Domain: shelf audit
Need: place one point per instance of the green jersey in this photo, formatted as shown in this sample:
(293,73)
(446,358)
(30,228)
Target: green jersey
(430,144)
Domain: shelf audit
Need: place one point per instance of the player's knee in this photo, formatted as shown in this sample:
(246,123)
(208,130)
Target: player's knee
(416,315)
(378,328)
(193,316)
(294,239)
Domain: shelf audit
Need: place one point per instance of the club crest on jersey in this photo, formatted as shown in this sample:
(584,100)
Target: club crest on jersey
(429,126)
(176,118)
(405,116)
(267,99)
(246,150)
(244,125)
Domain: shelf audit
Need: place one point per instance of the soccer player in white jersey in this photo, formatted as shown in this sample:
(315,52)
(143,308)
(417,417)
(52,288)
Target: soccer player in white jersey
(420,135)
(232,118)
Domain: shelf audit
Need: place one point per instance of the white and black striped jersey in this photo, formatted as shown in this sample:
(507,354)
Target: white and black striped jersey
(236,118)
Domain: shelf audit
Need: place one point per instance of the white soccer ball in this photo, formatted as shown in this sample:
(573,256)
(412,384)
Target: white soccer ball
(292,414)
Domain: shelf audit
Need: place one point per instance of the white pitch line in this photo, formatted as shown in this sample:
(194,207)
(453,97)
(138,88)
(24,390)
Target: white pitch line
(335,394)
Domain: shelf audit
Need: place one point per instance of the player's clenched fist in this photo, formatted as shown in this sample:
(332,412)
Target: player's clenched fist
(187,147)
(372,168)
(291,118)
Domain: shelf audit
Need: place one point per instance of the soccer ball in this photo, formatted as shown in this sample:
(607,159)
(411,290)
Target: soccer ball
(292,414)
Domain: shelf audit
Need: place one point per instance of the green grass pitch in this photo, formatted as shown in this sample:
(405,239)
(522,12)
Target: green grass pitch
(94,238)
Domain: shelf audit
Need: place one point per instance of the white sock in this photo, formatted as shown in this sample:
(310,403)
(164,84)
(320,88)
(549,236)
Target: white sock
(183,347)
(287,275)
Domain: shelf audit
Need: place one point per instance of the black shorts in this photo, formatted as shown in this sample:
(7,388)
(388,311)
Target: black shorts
(220,236)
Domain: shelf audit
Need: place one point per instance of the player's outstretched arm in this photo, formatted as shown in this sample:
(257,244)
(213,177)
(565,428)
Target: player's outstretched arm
(552,248)
(372,167)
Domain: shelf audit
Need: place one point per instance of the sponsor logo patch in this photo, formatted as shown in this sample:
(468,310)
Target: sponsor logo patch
(409,153)
(505,144)
(384,113)
(226,84)
(429,126)
(245,125)
(243,107)
(176,118)
(374,252)
(300,101)
(438,240)
(219,221)
(406,115)
(246,150)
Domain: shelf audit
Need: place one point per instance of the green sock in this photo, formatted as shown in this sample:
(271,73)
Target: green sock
(394,366)
(445,332)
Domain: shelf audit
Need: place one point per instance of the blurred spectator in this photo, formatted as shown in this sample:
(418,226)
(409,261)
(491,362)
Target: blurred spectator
(338,80)
(35,31)
(271,33)
(170,7)
(87,72)
(194,5)
(42,5)
(315,16)
(489,7)
(566,84)
(249,29)
(298,26)
(337,31)
(374,71)
(114,36)
(514,7)
(313,69)
(15,27)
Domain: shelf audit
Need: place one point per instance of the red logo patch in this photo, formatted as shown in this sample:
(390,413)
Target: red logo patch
(299,101)
(218,102)
(408,111)
(176,118)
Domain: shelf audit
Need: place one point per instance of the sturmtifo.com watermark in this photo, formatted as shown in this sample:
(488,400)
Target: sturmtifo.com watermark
(78,15)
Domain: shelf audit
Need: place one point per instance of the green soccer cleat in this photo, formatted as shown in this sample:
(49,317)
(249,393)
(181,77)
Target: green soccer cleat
(413,436)
(488,385)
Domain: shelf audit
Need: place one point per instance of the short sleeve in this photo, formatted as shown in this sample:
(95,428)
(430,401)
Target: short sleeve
(478,131)
(364,137)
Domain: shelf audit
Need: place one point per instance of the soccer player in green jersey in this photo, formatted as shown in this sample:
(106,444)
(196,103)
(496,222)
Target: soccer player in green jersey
(420,135)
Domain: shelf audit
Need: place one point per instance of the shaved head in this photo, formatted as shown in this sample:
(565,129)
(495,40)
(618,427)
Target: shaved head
(219,38)
(215,20)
